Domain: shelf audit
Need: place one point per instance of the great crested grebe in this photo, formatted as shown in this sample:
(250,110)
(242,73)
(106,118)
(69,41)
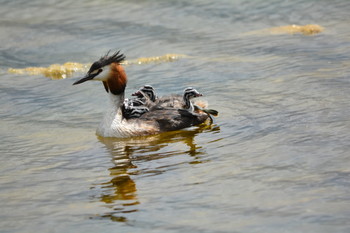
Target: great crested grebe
(110,72)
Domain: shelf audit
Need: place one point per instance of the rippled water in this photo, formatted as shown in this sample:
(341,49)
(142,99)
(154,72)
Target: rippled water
(275,160)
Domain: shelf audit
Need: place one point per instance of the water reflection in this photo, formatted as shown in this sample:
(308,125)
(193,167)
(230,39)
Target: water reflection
(120,193)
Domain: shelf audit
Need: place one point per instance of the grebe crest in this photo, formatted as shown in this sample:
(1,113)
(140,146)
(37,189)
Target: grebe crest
(98,71)
(108,70)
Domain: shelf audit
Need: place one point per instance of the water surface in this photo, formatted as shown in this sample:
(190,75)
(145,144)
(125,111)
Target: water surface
(275,160)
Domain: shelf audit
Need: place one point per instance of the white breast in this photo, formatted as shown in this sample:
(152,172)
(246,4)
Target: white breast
(114,125)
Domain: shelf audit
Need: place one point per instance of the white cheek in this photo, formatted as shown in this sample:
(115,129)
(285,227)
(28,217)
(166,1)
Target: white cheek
(103,75)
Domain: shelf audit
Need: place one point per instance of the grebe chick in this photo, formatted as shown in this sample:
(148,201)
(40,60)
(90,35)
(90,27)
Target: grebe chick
(129,110)
(146,95)
(178,101)
(190,93)
(146,92)
(110,72)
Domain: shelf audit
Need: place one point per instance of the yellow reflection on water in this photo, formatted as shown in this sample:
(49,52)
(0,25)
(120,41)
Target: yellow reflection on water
(157,59)
(309,29)
(54,71)
(61,71)
(119,194)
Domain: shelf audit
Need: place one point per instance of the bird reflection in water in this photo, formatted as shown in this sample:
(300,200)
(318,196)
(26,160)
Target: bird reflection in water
(120,193)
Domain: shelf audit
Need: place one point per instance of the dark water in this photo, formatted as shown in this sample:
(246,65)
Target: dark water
(275,160)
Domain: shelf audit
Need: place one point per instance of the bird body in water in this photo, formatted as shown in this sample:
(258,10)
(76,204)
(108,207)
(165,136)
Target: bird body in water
(110,72)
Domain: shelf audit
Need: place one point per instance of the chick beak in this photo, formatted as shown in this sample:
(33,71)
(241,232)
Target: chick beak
(86,78)
(137,93)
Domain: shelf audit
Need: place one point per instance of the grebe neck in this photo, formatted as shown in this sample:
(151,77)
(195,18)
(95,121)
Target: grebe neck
(188,104)
(112,117)
(115,101)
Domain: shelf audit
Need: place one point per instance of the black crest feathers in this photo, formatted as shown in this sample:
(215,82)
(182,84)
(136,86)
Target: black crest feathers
(107,60)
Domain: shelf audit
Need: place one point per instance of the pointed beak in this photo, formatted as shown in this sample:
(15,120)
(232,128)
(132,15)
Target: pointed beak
(86,78)
(199,94)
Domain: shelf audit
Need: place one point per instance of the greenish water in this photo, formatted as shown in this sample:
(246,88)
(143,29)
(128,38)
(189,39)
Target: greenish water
(275,160)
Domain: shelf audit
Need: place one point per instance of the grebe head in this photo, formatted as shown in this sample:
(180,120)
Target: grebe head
(146,90)
(108,70)
(190,93)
